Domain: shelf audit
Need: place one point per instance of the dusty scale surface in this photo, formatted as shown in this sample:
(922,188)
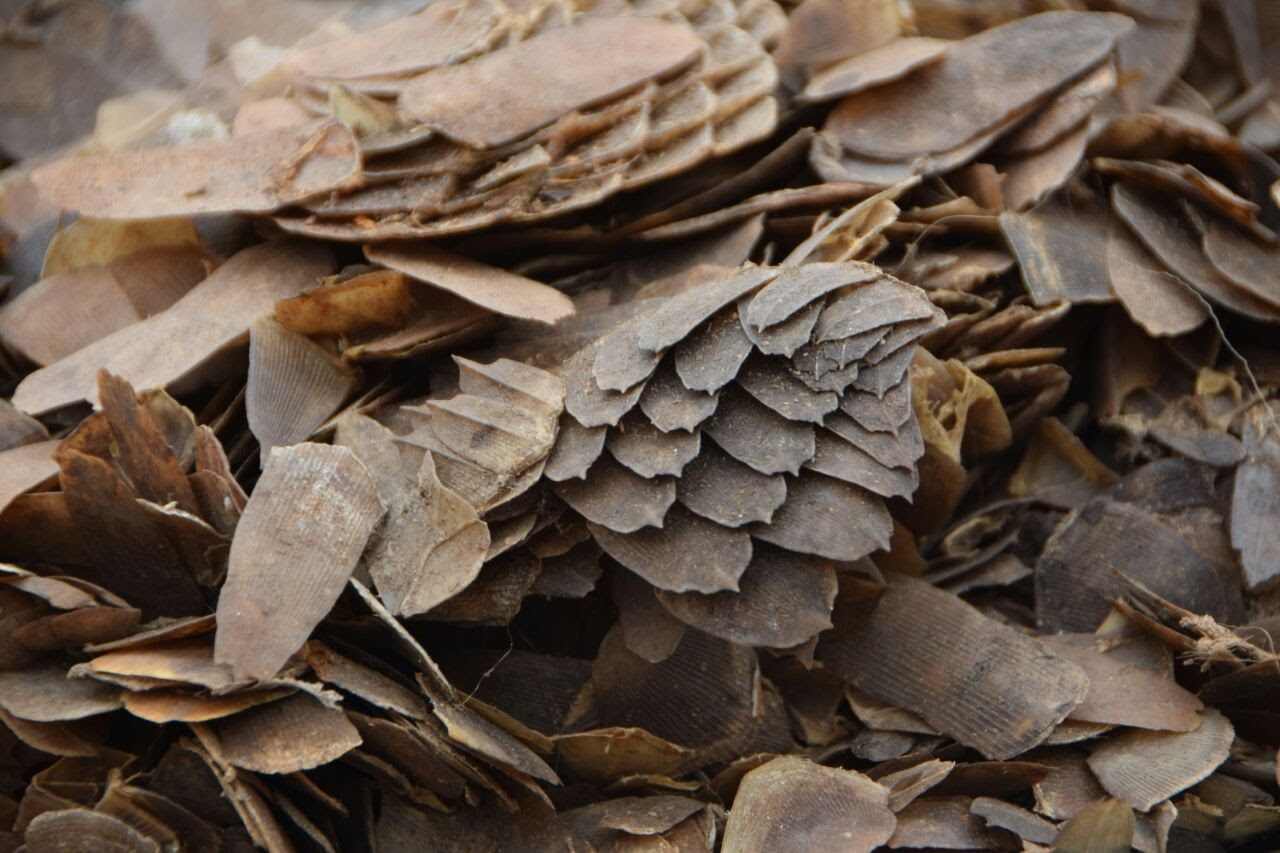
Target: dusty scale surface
(557,425)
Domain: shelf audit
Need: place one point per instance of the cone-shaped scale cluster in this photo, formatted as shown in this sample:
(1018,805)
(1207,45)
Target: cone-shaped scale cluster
(731,442)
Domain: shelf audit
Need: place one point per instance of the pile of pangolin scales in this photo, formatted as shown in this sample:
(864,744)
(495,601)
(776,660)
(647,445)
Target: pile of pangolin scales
(639,425)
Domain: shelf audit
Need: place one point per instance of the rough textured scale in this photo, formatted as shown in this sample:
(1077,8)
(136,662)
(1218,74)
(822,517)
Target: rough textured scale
(718,487)
(505,95)
(169,346)
(791,803)
(709,361)
(258,173)
(1081,567)
(432,543)
(285,736)
(649,451)
(621,363)
(782,600)
(758,436)
(616,497)
(828,517)
(972,678)
(294,385)
(577,447)
(1144,768)
(681,314)
(297,543)
(1011,59)
(670,405)
(489,287)
(796,287)
(689,554)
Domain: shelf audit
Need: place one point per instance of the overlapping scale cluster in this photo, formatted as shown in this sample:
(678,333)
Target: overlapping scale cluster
(477,113)
(1041,77)
(732,442)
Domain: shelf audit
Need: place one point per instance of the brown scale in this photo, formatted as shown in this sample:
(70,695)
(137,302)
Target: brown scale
(719,103)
